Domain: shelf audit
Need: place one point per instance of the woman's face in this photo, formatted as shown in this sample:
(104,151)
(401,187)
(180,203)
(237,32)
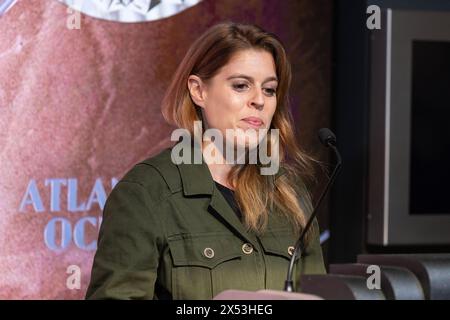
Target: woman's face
(242,95)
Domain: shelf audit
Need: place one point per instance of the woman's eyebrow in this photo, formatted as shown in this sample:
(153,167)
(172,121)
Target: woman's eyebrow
(251,78)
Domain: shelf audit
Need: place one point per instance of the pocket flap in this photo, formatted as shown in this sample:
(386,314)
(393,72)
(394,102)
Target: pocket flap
(203,250)
(279,242)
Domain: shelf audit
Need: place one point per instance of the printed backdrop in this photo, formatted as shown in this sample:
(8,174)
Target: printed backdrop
(79,106)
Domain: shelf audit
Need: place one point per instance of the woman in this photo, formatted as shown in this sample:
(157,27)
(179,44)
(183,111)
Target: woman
(192,230)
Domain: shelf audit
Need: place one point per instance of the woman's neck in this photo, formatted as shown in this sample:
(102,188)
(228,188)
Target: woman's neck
(219,171)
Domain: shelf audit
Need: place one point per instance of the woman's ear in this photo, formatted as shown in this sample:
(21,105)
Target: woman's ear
(197,90)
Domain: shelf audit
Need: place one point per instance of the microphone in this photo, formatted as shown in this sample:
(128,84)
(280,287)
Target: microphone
(328,139)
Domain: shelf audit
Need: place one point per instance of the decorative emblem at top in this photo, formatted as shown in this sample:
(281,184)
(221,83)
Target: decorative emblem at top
(5,5)
(130,10)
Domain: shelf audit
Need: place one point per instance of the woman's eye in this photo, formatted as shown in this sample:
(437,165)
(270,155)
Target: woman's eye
(271,92)
(240,86)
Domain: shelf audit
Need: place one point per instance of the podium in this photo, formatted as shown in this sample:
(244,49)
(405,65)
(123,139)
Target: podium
(401,277)
(264,295)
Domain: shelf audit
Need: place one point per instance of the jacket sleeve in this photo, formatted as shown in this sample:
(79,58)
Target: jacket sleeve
(313,259)
(313,262)
(126,262)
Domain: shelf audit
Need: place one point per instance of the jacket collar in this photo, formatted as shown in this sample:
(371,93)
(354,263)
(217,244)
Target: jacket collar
(197,180)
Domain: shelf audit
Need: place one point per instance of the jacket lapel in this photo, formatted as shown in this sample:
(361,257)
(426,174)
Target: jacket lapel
(221,207)
(197,180)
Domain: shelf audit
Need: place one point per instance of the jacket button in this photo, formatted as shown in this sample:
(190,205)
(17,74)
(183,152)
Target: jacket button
(208,253)
(291,250)
(247,248)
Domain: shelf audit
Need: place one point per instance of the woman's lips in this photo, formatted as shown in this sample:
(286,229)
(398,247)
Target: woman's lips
(254,122)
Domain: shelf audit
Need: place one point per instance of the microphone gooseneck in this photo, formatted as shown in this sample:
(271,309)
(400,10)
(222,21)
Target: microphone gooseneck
(328,139)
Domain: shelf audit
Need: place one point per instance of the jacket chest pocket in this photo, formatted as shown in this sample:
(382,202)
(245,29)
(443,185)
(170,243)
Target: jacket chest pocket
(202,263)
(278,248)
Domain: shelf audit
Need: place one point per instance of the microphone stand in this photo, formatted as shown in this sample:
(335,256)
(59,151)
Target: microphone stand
(329,141)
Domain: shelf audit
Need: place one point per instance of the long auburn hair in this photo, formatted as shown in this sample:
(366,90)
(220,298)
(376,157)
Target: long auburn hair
(257,195)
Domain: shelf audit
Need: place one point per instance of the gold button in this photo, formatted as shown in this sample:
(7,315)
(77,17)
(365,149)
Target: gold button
(291,250)
(247,248)
(208,253)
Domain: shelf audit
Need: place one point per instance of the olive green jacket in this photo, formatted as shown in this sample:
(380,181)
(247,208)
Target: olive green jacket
(168,233)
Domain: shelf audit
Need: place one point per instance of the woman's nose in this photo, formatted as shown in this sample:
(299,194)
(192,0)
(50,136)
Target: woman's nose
(258,100)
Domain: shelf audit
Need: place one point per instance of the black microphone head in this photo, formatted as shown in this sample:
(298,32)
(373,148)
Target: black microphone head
(327,137)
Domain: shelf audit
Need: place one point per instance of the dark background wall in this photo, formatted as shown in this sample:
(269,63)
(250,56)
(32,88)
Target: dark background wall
(350,114)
